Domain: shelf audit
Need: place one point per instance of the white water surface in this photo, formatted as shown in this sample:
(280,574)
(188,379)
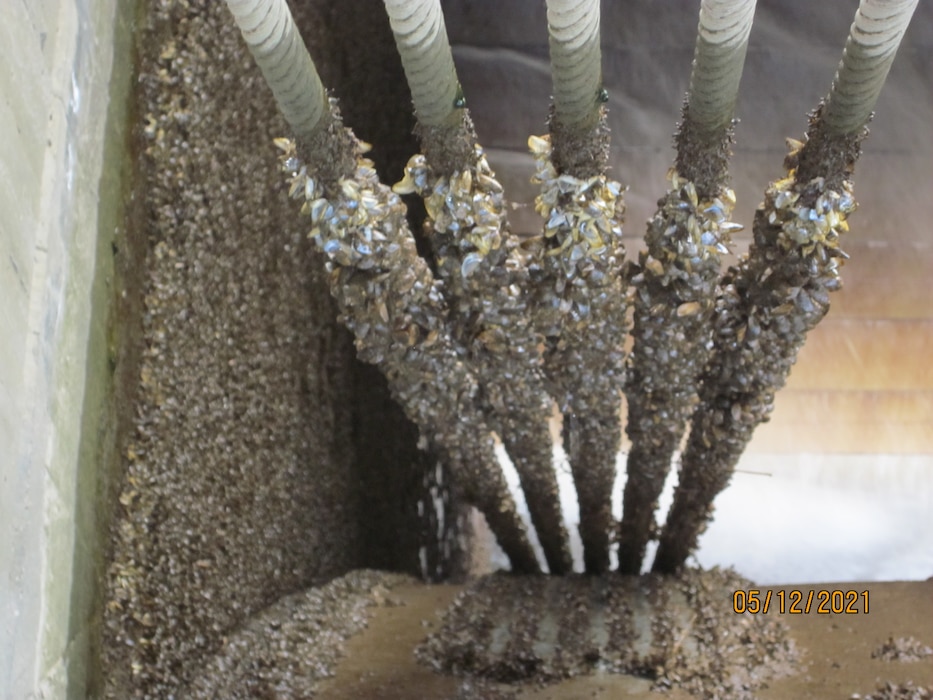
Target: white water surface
(796,518)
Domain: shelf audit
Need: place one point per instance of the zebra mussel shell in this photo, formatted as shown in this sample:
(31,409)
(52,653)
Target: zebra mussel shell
(809,228)
(582,216)
(676,289)
(348,221)
(468,204)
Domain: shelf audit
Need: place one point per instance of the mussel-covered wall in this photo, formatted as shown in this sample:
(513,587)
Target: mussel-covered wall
(262,458)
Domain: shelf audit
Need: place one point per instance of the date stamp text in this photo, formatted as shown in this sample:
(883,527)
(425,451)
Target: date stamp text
(797,602)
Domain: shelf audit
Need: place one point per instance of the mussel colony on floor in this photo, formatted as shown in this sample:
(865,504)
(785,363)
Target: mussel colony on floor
(674,630)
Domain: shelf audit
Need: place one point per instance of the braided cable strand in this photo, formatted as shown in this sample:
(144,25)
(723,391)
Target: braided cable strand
(421,38)
(390,300)
(676,284)
(481,265)
(722,40)
(873,40)
(274,41)
(576,60)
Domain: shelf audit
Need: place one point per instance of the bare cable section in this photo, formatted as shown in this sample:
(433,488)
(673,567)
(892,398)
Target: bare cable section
(573,27)
(873,41)
(421,38)
(722,40)
(280,53)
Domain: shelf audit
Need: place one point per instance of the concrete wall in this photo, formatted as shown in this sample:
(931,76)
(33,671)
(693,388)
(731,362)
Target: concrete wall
(58,127)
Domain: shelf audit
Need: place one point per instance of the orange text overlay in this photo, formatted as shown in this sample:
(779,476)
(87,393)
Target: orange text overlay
(796,602)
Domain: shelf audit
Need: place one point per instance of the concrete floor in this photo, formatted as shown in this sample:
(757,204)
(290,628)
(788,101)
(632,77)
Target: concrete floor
(836,662)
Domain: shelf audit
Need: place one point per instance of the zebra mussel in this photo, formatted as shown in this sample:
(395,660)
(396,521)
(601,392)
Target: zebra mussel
(348,224)
(581,254)
(582,216)
(468,204)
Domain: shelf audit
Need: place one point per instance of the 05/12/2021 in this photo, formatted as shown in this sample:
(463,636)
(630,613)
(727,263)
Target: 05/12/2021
(797,602)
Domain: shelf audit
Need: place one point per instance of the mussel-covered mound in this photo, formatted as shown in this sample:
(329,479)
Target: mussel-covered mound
(679,631)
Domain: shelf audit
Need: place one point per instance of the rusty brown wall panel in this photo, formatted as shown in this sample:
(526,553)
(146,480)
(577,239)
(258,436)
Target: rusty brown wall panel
(890,422)
(881,280)
(886,355)
(886,281)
